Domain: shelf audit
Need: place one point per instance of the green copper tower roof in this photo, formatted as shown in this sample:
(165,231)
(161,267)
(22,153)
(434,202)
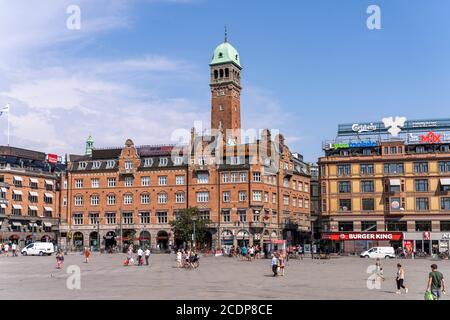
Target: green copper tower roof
(225,53)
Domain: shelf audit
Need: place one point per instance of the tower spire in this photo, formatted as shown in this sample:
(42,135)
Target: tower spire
(226,34)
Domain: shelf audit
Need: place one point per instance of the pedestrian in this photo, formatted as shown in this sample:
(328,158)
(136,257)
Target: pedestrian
(6,248)
(251,252)
(379,269)
(59,260)
(274,264)
(140,253)
(282,264)
(244,252)
(400,279)
(179,258)
(300,251)
(147,255)
(13,249)
(87,254)
(435,282)
(129,257)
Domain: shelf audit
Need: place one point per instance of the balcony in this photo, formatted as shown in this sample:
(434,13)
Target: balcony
(127,172)
(288,173)
(257,224)
(200,167)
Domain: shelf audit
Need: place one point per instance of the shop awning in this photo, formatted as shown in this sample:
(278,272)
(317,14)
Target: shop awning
(34,180)
(33,194)
(445,181)
(3,206)
(49,182)
(3,189)
(48,208)
(34,208)
(32,224)
(17,178)
(17,192)
(17,206)
(47,224)
(48,195)
(16,224)
(394,182)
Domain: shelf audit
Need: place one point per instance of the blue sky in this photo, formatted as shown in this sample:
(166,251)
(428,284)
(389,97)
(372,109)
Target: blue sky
(139,68)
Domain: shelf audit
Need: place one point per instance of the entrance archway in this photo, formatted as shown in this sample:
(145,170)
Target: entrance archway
(93,239)
(243,237)
(227,238)
(144,239)
(128,238)
(207,241)
(110,240)
(28,239)
(78,240)
(162,240)
(46,238)
(14,238)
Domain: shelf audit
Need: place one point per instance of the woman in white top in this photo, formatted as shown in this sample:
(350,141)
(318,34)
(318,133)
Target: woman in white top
(179,258)
(400,278)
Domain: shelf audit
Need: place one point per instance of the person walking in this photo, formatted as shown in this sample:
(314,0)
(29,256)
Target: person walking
(129,256)
(6,248)
(59,259)
(87,254)
(282,264)
(274,264)
(400,279)
(379,269)
(251,254)
(179,259)
(140,253)
(436,282)
(147,255)
(13,249)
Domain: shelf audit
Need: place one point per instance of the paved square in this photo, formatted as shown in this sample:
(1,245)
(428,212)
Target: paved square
(217,278)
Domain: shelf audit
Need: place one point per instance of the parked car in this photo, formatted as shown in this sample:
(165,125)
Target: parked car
(379,252)
(38,248)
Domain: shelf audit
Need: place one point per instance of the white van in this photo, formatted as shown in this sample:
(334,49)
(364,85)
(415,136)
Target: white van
(379,252)
(38,248)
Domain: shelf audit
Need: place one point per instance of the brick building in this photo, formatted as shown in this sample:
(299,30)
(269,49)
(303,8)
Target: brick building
(29,197)
(377,180)
(251,192)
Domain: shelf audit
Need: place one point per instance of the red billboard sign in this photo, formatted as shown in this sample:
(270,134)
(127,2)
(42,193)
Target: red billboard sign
(431,137)
(336,236)
(52,158)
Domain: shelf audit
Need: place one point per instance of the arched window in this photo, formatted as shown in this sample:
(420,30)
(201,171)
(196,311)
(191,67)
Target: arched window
(216,74)
(221,73)
(227,72)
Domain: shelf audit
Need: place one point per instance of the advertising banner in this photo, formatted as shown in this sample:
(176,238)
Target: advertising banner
(336,236)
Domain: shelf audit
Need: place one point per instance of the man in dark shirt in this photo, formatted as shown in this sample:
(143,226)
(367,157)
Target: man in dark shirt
(436,282)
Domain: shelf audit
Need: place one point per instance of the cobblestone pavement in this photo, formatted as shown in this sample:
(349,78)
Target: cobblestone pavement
(217,278)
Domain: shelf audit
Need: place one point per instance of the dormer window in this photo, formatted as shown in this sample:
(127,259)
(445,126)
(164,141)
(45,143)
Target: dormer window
(163,161)
(237,57)
(110,164)
(82,165)
(148,162)
(96,164)
(178,161)
(220,55)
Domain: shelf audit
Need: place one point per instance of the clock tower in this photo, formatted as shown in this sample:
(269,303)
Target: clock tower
(225,86)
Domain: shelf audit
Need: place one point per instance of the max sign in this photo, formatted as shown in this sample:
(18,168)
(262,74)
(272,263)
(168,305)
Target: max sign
(431,137)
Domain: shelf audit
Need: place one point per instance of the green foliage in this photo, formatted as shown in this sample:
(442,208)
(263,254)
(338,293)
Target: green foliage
(183,228)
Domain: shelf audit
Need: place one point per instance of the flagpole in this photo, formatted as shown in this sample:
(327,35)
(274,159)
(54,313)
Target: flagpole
(9,110)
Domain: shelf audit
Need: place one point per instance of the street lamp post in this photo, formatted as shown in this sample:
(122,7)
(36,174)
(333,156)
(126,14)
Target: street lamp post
(98,233)
(194,218)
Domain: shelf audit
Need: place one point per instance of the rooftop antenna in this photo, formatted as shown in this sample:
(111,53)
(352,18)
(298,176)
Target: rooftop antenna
(226,34)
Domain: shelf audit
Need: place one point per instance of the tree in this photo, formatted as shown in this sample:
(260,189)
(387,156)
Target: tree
(183,227)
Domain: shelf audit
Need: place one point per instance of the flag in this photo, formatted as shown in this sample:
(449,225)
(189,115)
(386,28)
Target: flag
(4,109)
